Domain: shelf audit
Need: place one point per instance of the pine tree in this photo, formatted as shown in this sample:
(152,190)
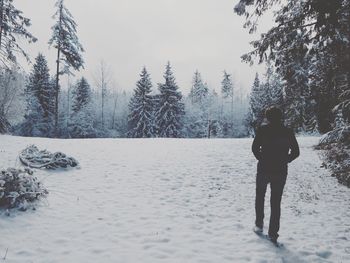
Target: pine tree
(4,124)
(13,25)
(40,95)
(299,104)
(227,86)
(170,108)
(81,125)
(32,125)
(81,95)
(141,109)
(199,90)
(274,88)
(310,41)
(6,96)
(65,40)
(42,88)
(197,110)
(258,102)
(227,91)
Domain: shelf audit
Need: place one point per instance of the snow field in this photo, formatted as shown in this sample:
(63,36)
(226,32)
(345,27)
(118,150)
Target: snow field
(167,200)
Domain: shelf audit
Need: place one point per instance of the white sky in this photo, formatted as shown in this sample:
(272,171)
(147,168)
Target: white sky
(128,34)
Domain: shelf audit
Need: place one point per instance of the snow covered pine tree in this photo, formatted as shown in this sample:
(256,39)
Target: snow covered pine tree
(170,108)
(12,26)
(65,40)
(81,125)
(257,104)
(196,117)
(141,109)
(227,91)
(38,120)
(308,48)
(199,90)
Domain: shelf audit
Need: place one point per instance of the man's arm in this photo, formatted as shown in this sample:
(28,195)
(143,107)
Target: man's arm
(256,147)
(294,148)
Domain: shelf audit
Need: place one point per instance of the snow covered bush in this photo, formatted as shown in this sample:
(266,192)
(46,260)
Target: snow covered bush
(336,146)
(341,134)
(19,189)
(337,159)
(34,158)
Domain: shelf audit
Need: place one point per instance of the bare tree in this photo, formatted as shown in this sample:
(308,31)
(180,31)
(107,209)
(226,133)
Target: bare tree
(116,96)
(103,79)
(11,86)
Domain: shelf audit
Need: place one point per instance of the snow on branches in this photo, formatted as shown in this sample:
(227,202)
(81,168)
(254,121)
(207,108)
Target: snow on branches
(34,158)
(336,154)
(19,189)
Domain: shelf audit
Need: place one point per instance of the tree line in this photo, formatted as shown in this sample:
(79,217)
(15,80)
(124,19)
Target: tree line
(307,57)
(91,111)
(83,112)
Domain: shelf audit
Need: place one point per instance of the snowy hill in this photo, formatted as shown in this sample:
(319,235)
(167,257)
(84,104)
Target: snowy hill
(163,200)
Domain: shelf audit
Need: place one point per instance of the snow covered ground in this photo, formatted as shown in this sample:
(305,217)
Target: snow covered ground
(162,200)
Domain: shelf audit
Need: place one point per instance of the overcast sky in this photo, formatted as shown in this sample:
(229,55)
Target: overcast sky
(129,34)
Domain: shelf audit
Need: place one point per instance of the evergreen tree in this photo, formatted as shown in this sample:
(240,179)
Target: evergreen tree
(32,125)
(325,97)
(199,90)
(4,124)
(81,95)
(6,75)
(170,108)
(141,107)
(12,26)
(39,92)
(257,103)
(81,125)
(310,41)
(299,103)
(227,86)
(274,88)
(65,40)
(197,110)
(42,88)
(227,91)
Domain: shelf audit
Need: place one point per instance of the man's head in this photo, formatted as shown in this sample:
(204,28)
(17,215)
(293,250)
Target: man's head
(273,115)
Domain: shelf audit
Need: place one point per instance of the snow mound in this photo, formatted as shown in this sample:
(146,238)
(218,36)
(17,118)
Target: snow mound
(19,189)
(34,158)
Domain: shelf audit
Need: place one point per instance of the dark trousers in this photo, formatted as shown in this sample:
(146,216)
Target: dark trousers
(277,184)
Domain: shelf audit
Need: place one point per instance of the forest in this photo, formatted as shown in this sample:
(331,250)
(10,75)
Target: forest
(307,58)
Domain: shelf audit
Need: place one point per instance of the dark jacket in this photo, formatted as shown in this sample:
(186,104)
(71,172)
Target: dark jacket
(275,146)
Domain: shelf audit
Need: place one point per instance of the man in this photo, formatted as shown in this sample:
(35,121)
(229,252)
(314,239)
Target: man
(274,147)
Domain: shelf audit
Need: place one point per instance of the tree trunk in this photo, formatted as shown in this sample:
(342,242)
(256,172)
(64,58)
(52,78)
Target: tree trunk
(57,90)
(114,110)
(103,99)
(209,122)
(232,111)
(68,109)
(102,92)
(58,75)
(1,19)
